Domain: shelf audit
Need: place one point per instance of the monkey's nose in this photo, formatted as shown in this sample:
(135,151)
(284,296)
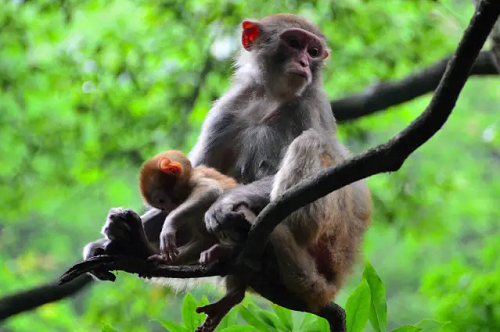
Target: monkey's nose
(303,60)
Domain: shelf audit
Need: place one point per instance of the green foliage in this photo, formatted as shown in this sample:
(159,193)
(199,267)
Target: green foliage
(358,308)
(367,300)
(89,89)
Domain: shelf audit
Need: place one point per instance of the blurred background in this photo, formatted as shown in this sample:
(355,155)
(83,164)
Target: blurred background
(90,89)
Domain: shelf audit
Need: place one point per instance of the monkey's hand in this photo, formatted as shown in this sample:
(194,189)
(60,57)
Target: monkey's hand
(168,247)
(223,214)
(229,217)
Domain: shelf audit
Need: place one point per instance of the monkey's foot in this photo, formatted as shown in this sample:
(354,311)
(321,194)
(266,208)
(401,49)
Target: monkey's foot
(215,312)
(217,252)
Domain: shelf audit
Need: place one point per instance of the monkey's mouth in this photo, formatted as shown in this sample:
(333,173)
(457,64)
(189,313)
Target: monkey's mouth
(299,73)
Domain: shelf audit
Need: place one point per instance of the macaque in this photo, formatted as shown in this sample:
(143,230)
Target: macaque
(270,130)
(168,182)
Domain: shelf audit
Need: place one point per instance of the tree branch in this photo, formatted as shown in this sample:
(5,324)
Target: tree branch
(141,267)
(387,94)
(33,298)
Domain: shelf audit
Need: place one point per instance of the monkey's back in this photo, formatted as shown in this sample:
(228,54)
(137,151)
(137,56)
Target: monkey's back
(223,181)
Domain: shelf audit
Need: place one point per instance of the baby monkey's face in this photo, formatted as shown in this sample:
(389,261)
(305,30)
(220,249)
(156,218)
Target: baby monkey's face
(161,180)
(161,200)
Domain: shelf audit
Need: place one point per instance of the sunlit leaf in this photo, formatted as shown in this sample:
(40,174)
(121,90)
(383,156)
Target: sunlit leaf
(173,327)
(430,325)
(378,312)
(407,328)
(189,316)
(255,321)
(358,308)
(284,315)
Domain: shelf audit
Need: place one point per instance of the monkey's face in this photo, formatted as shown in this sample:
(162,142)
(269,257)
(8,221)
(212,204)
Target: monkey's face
(301,52)
(159,190)
(160,199)
(289,56)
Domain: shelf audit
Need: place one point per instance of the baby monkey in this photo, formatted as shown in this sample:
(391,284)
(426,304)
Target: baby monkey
(169,182)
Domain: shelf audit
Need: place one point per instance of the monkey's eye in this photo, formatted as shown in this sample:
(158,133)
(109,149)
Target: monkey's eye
(314,52)
(160,201)
(294,43)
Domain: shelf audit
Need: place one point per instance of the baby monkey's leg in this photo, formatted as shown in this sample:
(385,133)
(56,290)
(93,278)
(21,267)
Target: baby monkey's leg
(235,292)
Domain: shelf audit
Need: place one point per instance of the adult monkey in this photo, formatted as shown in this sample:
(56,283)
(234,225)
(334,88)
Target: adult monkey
(270,130)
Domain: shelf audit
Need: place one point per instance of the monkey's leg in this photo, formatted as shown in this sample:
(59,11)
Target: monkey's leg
(335,315)
(217,310)
(307,155)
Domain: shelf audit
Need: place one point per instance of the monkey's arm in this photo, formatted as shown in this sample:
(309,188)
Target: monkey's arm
(188,214)
(210,149)
(152,221)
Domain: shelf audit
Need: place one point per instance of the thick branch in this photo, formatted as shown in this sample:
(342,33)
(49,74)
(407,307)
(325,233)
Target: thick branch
(33,298)
(387,94)
(387,157)
(142,268)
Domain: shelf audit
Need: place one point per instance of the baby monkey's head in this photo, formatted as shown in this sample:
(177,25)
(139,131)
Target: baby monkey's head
(164,180)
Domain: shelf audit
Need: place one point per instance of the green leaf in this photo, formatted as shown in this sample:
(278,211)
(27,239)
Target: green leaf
(229,320)
(272,320)
(204,301)
(172,327)
(323,325)
(239,328)
(284,315)
(378,312)
(266,317)
(253,320)
(407,328)
(107,328)
(189,316)
(307,322)
(358,308)
(430,325)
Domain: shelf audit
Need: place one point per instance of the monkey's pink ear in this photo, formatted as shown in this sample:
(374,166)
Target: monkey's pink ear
(326,55)
(250,32)
(169,167)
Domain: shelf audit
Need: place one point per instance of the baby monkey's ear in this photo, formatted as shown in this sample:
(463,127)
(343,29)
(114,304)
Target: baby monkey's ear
(169,167)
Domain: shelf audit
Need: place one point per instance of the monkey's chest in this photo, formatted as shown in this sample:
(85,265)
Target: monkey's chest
(260,149)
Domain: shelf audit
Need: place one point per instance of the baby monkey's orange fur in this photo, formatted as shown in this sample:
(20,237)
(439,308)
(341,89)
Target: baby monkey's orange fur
(169,182)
